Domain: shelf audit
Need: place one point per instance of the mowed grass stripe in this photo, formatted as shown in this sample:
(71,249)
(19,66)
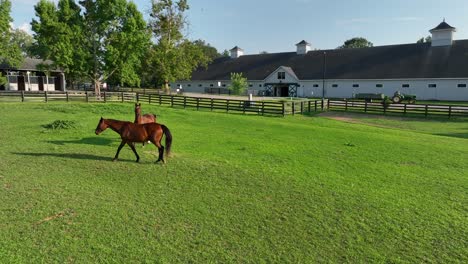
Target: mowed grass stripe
(238,189)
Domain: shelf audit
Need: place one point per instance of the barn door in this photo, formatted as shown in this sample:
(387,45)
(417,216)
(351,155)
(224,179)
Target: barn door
(21,83)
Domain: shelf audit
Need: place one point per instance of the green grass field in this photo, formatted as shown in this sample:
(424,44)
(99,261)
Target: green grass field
(237,189)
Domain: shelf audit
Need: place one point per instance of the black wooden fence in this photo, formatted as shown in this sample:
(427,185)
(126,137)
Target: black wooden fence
(398,109)
(272,107)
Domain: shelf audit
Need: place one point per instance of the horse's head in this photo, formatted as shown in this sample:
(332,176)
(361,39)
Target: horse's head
(101,126)
(138,109)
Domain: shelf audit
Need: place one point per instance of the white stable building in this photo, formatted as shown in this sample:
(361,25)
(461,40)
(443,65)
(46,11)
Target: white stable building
(30,77)
(431,71)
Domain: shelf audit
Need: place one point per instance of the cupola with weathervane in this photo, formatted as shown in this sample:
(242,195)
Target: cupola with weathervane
(442,35)
(303,47)
(236,52)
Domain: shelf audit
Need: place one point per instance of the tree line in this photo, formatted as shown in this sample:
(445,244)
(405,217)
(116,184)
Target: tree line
(107,41)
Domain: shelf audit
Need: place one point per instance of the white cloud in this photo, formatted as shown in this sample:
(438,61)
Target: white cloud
(25,27)
(353,21)
(407,19)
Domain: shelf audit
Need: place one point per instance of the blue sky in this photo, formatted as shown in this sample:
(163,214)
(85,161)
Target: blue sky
(276,25)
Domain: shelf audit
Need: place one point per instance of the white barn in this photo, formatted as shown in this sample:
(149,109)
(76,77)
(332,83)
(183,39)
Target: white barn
(432,71)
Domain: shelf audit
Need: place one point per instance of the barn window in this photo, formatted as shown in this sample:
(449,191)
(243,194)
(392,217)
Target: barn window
(189,85)
(355,85)
(462,85)
(281,75)
(316,85)
(200,85)
(379,85)
(224,85)
(211,85)
(250,85)
(259,85)
(432,85)
(335,85)
(405,85)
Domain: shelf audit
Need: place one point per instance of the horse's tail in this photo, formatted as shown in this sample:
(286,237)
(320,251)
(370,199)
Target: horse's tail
(168,134)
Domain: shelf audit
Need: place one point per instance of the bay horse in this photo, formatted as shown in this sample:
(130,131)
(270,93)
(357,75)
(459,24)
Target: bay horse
(130,133)
(143,119)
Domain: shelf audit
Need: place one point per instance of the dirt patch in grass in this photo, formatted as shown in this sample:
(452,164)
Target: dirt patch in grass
(360,118)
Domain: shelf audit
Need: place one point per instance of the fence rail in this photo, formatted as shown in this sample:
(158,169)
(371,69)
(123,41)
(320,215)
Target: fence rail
(401,109)
(287,107)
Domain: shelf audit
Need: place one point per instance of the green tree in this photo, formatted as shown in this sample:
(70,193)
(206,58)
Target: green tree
(10,53)
(99,39)
(427,39)
(172,57)
(59,37)
(356,43)
(238,83)
(225,53)
(209,51)
(23,40)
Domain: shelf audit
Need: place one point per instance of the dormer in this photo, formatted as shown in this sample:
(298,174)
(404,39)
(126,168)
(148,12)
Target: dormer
(236,52)
(442,35)
(303,47)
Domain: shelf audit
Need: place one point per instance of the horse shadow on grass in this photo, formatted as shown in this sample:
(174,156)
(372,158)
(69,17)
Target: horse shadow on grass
(101,141)
(78,156)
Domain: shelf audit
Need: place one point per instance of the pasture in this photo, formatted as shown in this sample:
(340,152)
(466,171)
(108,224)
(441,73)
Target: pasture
(237,189)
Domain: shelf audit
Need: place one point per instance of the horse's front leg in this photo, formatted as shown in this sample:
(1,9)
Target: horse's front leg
(132,146)
(118,150)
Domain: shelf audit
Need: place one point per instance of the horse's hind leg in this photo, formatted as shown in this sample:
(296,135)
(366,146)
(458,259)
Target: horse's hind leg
(132,146)
(118,150)
(160,149)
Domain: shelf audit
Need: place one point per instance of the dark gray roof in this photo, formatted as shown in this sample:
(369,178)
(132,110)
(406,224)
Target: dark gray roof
(303,43)
(236,48)
(406,61)
(29,64)
(442,26)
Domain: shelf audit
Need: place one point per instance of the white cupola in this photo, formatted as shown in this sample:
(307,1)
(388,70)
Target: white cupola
(303,47)
(236,52)
(442,35)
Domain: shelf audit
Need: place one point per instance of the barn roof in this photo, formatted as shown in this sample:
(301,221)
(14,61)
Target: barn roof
(383,62)
(442,26)
(29,64)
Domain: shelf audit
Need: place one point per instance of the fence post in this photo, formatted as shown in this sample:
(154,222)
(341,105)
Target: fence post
(243,106)
(149,98)
(315,105)
(346,105)
(404,109)
(105,97)
(308,106)
(322,104)
(46,98)
(66,93)
(328,104)
(450,111)
(138,97)
(122,94)
(87,98)
(172,101)
(211,104)
(282,110)
(160,99)
(365,107)
(384,109)
(293,108)
(425,111)
(198,103)
(302,107)
(22,96)
(227,105)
